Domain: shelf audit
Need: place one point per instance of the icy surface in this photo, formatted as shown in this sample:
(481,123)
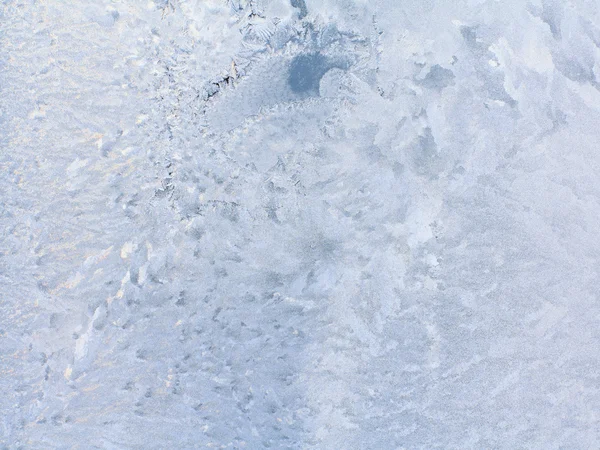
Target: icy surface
(299,224)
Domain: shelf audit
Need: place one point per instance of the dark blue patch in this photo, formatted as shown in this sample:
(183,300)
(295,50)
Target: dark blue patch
(301,5)
(306,72)
(437,78)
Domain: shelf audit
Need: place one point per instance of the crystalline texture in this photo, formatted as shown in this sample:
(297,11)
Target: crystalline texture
(287,224)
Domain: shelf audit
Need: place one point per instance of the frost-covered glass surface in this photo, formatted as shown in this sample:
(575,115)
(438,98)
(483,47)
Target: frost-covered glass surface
(299,224)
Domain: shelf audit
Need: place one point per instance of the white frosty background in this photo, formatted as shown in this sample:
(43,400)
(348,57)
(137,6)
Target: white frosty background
(397,251)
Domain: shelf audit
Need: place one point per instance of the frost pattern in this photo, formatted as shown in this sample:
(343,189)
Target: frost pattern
(305,224)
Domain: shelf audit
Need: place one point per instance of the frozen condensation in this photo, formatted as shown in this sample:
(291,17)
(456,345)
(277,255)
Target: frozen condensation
(299,224)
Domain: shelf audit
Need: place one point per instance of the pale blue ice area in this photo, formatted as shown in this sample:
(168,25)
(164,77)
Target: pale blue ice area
(299,224)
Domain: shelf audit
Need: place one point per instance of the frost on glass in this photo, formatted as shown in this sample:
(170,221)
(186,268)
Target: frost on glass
(301,224)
